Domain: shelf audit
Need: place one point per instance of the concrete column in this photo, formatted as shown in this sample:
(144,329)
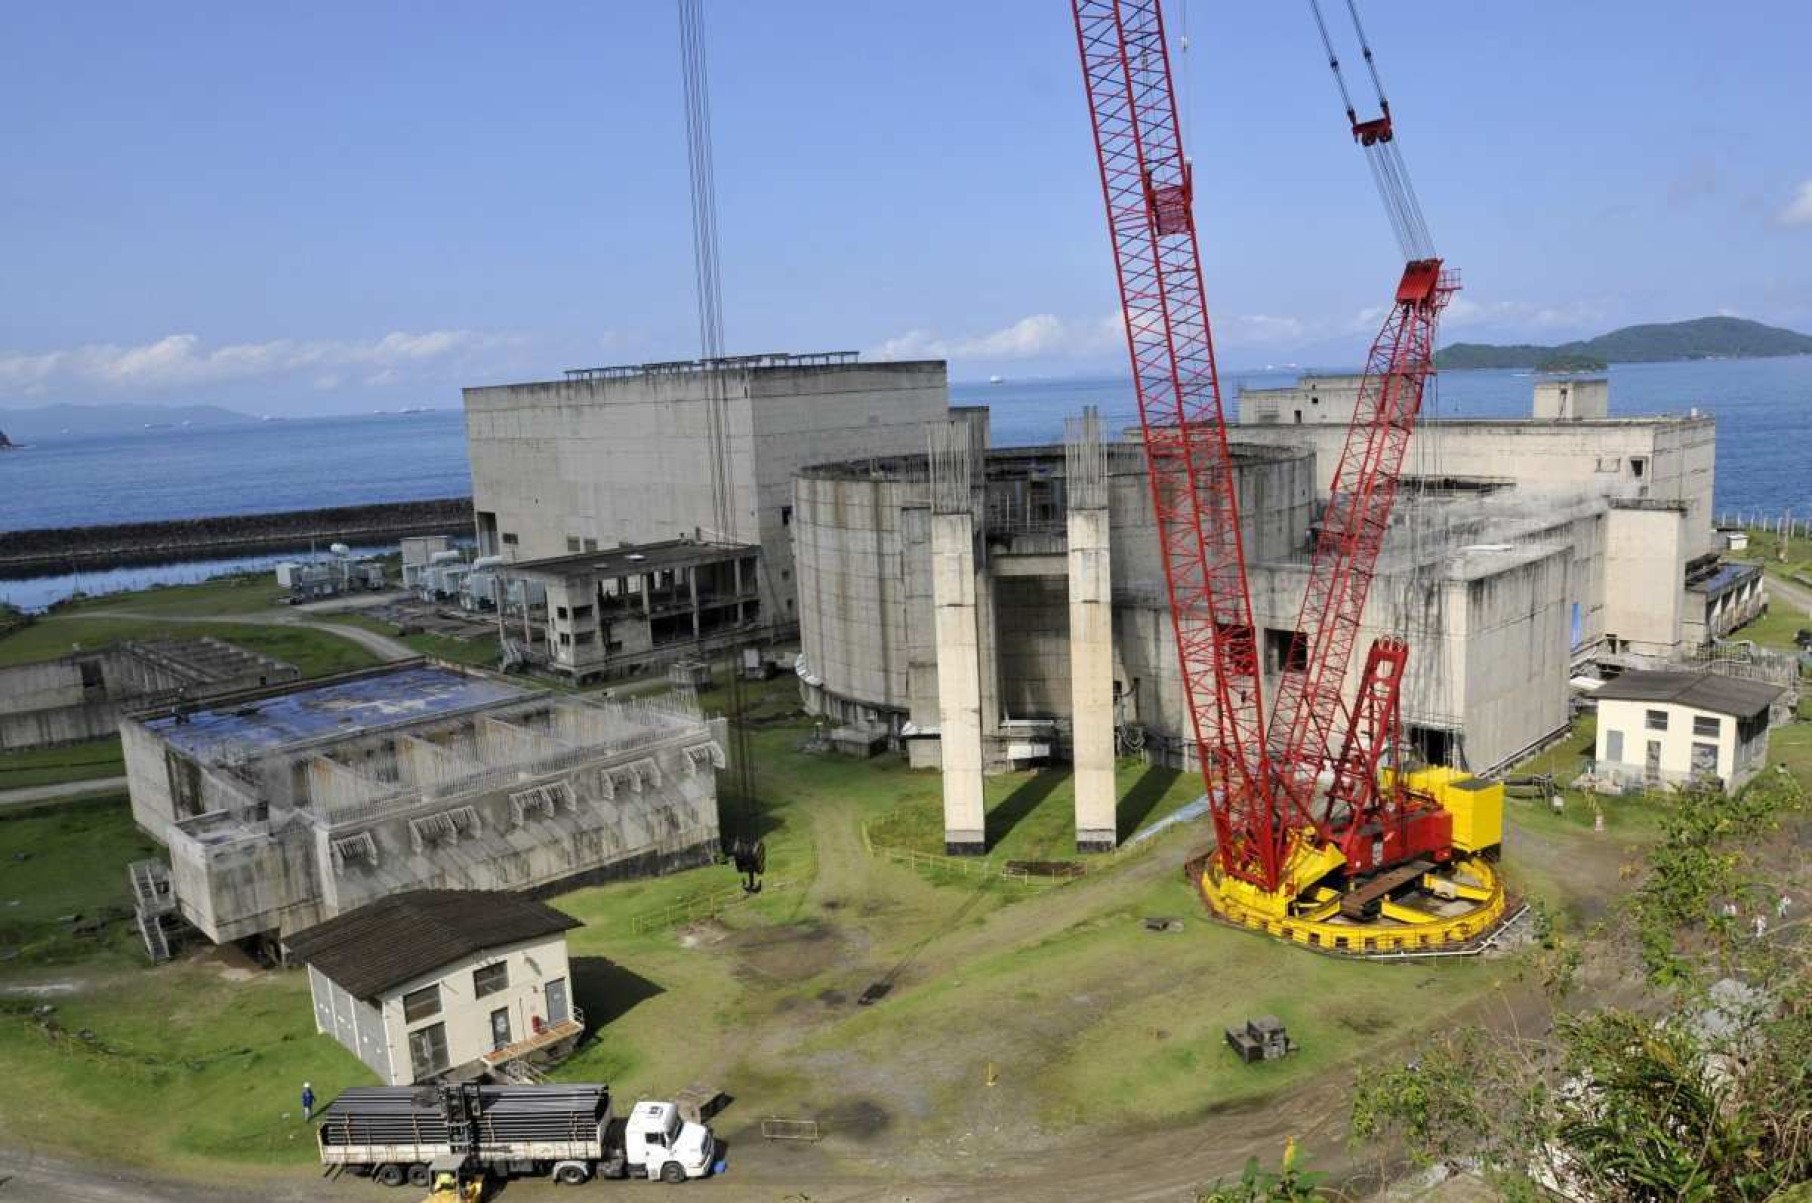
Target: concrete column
(958,682)
(958,660)
(1091,639)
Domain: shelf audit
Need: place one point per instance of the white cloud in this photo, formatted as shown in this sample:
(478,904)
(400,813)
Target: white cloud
(1040,336)
(1047,336)
(182,360)
(1799,210)
(1522,315)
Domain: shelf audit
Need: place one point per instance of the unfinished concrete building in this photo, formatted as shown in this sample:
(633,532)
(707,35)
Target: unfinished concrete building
(622,610)
(623,455)
(282,808)
(82,695)
(1519,551)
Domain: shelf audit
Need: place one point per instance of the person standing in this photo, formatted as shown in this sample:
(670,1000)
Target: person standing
(308,1101)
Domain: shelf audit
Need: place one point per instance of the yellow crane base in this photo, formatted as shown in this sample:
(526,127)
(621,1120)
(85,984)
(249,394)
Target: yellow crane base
(1458,905)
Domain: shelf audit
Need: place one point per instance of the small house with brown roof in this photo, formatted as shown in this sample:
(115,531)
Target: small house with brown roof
(429,984)
(1679,728)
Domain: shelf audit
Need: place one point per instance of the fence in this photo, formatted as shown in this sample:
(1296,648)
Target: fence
(704,906)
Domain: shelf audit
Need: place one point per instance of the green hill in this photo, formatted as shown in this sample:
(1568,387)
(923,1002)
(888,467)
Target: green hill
(1701,338)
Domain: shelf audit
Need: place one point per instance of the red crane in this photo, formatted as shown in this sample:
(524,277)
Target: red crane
(1261,776)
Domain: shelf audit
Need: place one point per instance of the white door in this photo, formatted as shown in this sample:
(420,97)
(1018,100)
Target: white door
(558,1008)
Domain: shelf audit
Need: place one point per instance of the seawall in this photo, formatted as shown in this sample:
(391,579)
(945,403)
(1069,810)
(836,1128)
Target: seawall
(31,553)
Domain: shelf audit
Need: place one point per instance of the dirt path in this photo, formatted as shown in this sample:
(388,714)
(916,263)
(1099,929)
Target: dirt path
(1791,593)
(66,789)
(382,646)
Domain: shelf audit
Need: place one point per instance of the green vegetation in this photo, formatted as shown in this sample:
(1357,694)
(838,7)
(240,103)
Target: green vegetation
(240,593)
(97,758)
(62,872)
(1702,338)
(316,653)
(1572,363)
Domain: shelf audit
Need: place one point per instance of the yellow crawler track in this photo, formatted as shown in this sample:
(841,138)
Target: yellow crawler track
(1403,928)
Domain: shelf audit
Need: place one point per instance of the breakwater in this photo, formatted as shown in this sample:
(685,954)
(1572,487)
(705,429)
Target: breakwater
(33,553)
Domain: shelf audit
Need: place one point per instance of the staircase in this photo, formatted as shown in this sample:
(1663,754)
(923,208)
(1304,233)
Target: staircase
(153,900)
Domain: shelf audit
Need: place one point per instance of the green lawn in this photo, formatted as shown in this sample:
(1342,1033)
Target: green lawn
(242,593)
(316,653)
(53,766)
(63,860)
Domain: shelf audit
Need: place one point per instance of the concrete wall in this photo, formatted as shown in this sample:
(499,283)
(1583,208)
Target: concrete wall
(628,460)
(1314,400)
(467,1018)
(1675,458)
(1644,565)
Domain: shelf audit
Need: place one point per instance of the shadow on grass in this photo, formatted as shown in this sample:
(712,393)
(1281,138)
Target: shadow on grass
(606,991)
(1140,799)
(1021,802)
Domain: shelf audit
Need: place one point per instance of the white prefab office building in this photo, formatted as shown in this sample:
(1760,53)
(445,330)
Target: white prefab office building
(1675,728)
(425,983)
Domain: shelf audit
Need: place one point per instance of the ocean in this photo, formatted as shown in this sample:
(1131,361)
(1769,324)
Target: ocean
(1763,408)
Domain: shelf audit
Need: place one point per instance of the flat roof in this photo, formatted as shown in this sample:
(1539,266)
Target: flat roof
(631,558)
(405,694)
(1702,691)
(1727,577)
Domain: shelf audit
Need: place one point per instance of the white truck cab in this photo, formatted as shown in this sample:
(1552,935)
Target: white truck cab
(661,1145)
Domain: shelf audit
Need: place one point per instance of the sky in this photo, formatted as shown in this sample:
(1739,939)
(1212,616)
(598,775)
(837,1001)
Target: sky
(338,207)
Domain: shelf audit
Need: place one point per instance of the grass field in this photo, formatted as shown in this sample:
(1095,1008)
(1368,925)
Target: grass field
(54,766)
(63,861)
(1083,1020)
(244,593)
(316,653)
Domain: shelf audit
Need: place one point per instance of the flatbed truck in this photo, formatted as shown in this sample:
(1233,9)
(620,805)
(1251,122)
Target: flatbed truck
(568,1133)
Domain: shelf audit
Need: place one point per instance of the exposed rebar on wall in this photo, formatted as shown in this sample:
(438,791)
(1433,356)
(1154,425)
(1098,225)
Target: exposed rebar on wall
(1085,460)
(952,466)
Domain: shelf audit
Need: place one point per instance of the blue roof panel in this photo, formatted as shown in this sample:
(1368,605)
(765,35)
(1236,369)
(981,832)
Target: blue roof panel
(405,695)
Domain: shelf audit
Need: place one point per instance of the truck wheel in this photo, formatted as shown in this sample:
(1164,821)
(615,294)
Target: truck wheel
(672,1173)
(570,1173)
(418,1174)
(390,1174)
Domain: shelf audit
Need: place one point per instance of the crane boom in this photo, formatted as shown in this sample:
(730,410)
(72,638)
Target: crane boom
(1146,184)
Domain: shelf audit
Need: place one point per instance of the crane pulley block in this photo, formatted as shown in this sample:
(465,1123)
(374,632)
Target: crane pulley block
(1421,280)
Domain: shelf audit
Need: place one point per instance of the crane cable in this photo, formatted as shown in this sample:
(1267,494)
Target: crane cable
(744,845)
(1378,137)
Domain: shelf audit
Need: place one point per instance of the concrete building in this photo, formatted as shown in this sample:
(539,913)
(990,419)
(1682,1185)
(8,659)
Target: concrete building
(1518,552)
(82,695)
(283,808)
(434,983)
(1673,728)
(623,455)
(621,610)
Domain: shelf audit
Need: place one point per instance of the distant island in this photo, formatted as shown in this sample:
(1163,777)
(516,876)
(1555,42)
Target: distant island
(1701,338)
(7,444)
(48,421)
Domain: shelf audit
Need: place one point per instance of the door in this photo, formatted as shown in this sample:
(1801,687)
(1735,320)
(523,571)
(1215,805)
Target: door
(1653,765)
(500,1027)
(558,1008)
(1613,747)
(428,1051)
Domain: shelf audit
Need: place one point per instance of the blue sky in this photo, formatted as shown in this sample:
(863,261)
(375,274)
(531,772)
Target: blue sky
(340,207)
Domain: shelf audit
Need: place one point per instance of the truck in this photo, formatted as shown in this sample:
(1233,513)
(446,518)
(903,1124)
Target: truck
(568,1133)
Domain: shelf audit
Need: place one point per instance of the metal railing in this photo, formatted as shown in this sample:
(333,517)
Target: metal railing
(703,906)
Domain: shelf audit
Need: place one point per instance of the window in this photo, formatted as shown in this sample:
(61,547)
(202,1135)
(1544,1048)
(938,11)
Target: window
(1707,726)
(1655,720)
(428,1051)
(509,538)
(1705,760)
(419,1004)
(560,612)
(1613,746)
(582,613)
(489,979)
(786,515)
(591,545)
(572,543)
(1638,466)
(1285,650)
